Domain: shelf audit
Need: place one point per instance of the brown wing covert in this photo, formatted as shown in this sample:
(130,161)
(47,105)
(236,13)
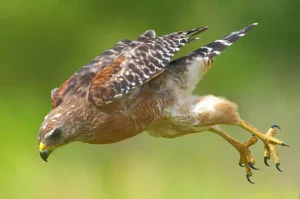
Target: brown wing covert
(81,80)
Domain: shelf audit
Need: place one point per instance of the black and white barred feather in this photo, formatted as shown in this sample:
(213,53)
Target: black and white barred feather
(139,62)
(215,48)
(187,71)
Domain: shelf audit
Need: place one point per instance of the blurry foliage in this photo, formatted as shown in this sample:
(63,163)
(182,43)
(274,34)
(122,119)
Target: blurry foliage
(45,42)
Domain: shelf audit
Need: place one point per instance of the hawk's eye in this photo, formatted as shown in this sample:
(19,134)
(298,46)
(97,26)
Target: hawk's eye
(55,135)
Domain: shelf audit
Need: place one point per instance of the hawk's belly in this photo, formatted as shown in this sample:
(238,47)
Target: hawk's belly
(115,129)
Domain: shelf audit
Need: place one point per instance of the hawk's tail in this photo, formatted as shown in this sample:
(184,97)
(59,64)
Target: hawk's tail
(215,48)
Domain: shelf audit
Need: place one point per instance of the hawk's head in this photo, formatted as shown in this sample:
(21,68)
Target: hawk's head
(60,127)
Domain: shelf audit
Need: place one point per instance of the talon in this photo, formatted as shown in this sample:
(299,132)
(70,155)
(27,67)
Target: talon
(266,161)
(251,165)
(275,126)
(284,144)
(241,165)
(248,178)
(277,166)
(270,145)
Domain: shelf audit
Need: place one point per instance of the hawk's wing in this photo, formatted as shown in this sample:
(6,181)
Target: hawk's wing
(82,79)
(138,63)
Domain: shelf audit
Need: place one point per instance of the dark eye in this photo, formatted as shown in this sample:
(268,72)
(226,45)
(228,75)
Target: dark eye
(55,135)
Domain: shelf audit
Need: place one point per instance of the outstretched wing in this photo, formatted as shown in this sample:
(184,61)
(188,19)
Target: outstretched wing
(215,48)
(198,62)
(140,62)
(82,78)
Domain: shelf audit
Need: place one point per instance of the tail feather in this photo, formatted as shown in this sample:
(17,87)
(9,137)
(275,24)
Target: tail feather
(215,48)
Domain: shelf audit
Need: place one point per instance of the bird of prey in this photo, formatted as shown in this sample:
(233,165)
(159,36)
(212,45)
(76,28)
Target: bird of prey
(135,87)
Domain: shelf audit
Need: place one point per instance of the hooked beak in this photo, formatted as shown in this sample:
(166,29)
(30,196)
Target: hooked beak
(44,152)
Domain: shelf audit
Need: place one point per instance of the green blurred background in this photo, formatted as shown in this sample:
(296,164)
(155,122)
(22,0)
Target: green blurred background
(45,42)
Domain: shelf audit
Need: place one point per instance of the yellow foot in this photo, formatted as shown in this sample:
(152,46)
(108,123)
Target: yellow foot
(246,159)
(269,141)
(271,147)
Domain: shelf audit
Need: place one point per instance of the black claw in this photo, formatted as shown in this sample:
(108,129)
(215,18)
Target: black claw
(251,165)
(275,126)
(241,165)
(277,166)
(248,178)
(266,161)
(284,144)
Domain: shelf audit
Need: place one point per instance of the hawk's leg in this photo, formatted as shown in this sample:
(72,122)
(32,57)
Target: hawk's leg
(208,111)
(246,158)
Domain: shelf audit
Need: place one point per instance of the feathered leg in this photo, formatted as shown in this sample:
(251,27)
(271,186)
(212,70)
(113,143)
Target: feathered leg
(209,111)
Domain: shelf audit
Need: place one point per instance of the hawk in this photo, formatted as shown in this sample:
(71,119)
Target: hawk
(135,87)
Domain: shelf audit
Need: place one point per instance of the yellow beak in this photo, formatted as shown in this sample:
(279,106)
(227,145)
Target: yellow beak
(42,146)
(44,152)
